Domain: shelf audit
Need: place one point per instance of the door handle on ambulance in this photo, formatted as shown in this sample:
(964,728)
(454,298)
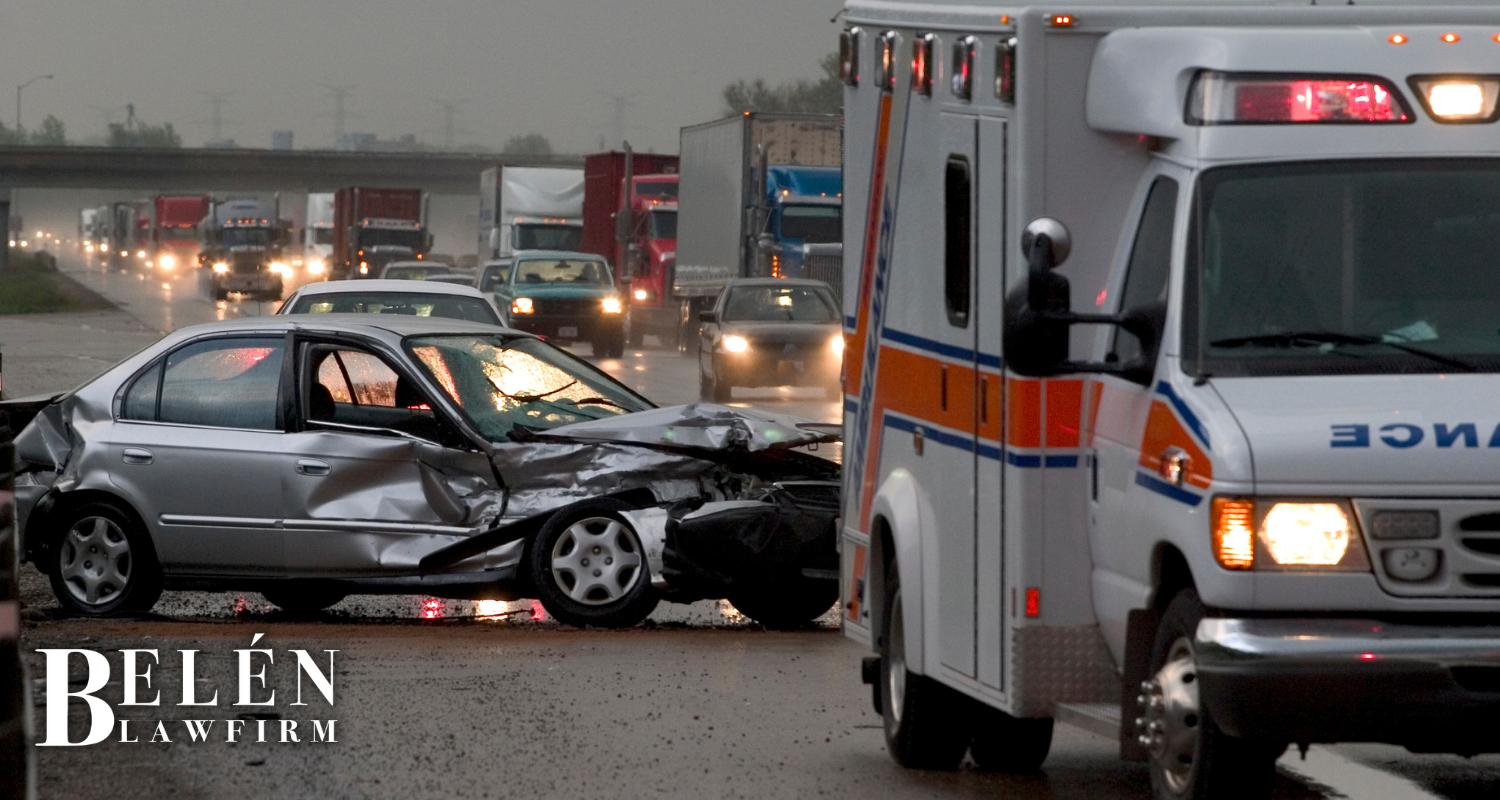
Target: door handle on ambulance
(310,466)
(136,455)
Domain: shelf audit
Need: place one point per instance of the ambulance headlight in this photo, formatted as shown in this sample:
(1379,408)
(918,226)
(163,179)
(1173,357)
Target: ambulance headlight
(1458,98)
(1286,534)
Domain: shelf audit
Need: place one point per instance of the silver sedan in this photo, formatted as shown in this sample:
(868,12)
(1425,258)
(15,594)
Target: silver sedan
(311,457)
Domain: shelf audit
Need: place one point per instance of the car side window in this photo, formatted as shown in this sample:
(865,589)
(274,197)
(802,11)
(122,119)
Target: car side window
(223,383)
(349,386)
(139,402)
(1150,265)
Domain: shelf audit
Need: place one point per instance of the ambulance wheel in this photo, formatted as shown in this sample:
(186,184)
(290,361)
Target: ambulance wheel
(590,569)
(787,607)
(924,720)
(1003,743)
(1190,758)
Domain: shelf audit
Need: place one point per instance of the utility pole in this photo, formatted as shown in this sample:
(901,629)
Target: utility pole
(340,114)
(19,88)
(216,100)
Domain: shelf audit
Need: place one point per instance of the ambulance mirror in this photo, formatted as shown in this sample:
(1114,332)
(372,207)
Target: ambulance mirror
(1055,233)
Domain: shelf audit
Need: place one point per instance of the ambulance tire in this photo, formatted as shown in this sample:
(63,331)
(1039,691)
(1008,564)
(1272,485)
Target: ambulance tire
(925,721)
(1221,766)
(1003,743)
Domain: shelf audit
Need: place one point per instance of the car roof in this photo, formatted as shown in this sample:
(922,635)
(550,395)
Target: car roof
(379,326)
(432,264)
(378,285)
(739,282)
(562,255)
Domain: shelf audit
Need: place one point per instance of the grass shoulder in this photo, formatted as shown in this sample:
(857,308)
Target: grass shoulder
(31,284)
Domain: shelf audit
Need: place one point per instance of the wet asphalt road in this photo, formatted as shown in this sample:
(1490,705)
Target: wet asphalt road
(465,699)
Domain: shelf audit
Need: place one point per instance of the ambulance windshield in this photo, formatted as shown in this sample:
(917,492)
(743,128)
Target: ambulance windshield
(1346,267)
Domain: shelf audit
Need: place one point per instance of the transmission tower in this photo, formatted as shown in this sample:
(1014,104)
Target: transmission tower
(450,114)
(216,101)
(340,114)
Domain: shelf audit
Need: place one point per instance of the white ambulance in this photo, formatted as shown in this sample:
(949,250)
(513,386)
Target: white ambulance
(1173,335)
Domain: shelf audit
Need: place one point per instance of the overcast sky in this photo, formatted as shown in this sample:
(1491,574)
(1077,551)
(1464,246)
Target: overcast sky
(517,66)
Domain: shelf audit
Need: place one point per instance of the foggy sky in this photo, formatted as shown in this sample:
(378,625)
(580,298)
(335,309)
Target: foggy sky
(519,66)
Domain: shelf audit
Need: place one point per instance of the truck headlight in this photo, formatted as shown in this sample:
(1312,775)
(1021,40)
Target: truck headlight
(612,305)
(735,343)
(316,266)
(522,305)
(641,295)
(167,261)
(1268,533)
(279,267)
(221,267)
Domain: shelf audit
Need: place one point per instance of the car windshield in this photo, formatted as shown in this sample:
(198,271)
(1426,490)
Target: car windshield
(177,233)
(778,304)
(504,383)
(410,273)
(570,272)
(412,304)
(548,237)
(322,235)
(495,276)
(664,224)
(813,224)
(1347,267)
(245,237)
(665,190)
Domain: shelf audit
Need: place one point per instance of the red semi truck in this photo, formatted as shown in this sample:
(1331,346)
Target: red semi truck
(636,231)
(374,226)
(174,229)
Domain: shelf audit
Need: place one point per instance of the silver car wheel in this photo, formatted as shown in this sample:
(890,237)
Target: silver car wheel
(597,561)
(1172,720)
(896,672)
(95,560)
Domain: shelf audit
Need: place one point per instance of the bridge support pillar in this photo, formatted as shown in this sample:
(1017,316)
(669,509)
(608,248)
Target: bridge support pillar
(5,229)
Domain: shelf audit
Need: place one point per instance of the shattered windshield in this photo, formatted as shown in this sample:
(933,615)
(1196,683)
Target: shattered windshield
(504,383)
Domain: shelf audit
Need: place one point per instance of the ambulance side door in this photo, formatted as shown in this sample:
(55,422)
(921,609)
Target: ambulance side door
(1123,414)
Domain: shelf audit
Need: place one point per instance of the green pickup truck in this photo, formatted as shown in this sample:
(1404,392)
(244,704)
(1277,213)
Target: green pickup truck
(566,297)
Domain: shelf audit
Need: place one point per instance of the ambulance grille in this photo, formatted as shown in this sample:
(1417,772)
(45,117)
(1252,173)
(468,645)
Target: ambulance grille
(1452,536)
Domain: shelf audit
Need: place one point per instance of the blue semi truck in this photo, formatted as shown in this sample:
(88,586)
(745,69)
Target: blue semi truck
(759,195)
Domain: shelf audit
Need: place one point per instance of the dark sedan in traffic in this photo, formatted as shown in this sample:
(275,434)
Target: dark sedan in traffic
(770,332)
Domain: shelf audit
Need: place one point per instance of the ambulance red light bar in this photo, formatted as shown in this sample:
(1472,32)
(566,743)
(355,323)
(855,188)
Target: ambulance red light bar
(1257,98)
(921,63)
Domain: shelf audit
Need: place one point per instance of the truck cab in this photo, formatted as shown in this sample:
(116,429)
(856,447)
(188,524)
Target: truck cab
(1164,392)
(804,206)
(243,243)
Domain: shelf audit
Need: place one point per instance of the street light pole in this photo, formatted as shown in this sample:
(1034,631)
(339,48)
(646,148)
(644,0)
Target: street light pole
(19,87)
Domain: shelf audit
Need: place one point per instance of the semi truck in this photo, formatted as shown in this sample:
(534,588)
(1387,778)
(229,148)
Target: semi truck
(243,244)
(755,191)
(1170,338)
(529,208)
(630,218)
(317,235)
(374,226)
(117,236)
(174,230)
(88,226)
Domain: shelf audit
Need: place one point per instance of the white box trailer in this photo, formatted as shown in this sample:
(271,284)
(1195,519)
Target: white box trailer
(529,208)
(1247,499)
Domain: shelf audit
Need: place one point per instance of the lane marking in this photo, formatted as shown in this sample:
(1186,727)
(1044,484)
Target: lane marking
(1346,777)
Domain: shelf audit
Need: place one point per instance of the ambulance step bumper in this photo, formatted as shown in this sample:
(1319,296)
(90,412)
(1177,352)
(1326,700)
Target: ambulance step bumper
(1431,688)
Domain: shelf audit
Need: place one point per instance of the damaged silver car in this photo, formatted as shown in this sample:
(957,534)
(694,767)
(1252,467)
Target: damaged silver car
(313,458)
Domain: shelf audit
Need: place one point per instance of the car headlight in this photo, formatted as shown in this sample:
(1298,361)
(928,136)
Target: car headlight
(612,305)
(641,295)
(735,343)
(364,268)
(167,261)
(316,266)
(221,267)
(836,344)
(1286,534)
(522,305)
(279,267)
(140,254)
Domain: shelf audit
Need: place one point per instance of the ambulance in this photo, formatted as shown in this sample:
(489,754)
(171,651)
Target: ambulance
(1172,339)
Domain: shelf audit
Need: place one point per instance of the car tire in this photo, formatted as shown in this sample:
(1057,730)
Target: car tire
(220,294)
(298,597)
(563,562)
(706,388)
(925,722)
(635,335)
(1219,765)
(615,343)
(783,607)
(1003,743)
(101,562)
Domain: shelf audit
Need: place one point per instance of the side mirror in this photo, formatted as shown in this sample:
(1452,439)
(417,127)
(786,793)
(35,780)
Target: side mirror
(1036,329)
(708,316)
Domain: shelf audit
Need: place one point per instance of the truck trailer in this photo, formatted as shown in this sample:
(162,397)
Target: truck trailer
(1170,338)
(374,226)
(755,191)
(529,208)
(636,229)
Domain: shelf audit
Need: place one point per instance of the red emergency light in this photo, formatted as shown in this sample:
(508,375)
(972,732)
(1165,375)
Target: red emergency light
(963,67)
(1220,98)
(921,63)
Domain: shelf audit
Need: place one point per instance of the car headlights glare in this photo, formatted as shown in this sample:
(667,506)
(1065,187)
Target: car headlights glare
(1271,533)
(167,261)
(522,305)
(836,344)
(316,267)
(280,267)
(221,267)
(612,305)
(734,343)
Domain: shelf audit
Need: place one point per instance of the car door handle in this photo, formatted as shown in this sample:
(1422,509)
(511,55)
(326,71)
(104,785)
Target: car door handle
(308,466)
(136,455)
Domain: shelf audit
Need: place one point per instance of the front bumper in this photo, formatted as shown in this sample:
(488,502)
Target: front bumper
(567,328)
(775,368)
(1430,688)
(247,281)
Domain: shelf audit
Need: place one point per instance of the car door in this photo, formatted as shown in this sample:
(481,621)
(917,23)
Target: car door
(195,449)
(378,477)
